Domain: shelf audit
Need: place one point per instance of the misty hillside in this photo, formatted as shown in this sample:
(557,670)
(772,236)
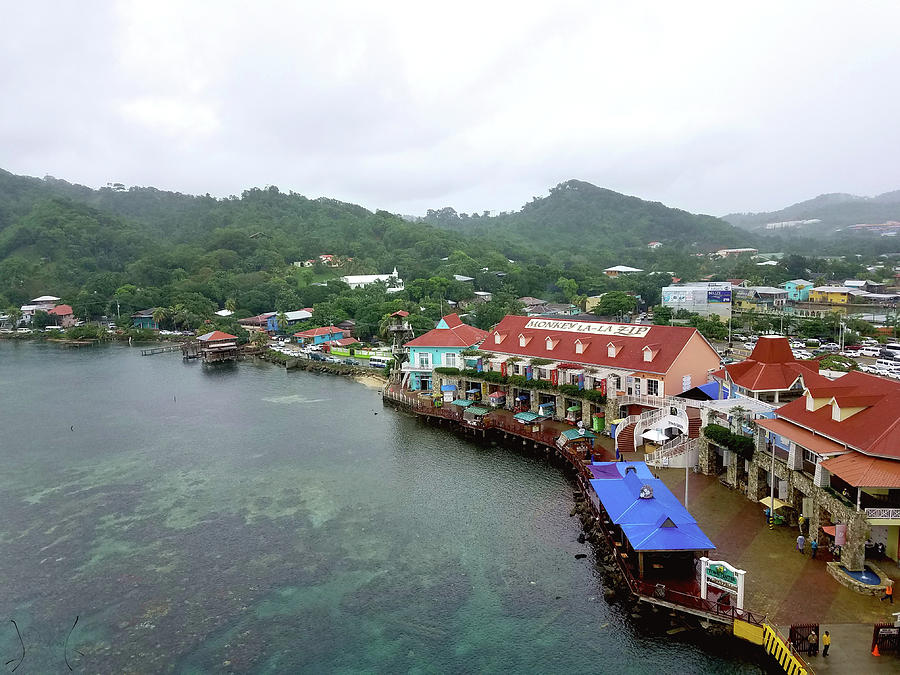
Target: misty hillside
(578,214)
(835,211)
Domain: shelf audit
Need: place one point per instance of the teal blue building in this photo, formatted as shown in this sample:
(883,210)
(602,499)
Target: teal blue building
(440,347)
(798,289)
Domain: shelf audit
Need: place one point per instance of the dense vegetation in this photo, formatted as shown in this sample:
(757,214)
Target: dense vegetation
(114,251)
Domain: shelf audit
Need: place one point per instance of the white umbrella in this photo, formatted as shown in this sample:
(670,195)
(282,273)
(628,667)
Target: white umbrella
(654,435)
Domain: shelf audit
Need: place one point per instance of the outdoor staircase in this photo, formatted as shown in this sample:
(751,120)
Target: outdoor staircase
(694,422)
(625,436)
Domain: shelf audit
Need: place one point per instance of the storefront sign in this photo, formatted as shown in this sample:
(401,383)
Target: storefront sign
(613,329)
(719,574)
(718,296)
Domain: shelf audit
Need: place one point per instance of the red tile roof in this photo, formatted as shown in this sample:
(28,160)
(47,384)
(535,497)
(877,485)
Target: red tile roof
(874,430)
(258,320)
(804,437)
(861,471)
(216,335)
(772,367)
(457,334)
(400,312)
(630,344)
(325,330)
(61,310)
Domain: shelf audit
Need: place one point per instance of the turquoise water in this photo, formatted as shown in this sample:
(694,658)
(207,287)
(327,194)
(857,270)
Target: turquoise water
(241,518)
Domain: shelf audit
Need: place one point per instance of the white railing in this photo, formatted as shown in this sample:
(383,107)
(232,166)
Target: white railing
(647,419)
(653,401)
(887,514)
(411,367)
(676,447)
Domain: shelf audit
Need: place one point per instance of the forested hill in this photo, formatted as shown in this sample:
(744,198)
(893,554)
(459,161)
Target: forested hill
(578,214)
(835,210)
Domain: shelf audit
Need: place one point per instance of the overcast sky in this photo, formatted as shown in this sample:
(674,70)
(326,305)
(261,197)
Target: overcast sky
(480,106)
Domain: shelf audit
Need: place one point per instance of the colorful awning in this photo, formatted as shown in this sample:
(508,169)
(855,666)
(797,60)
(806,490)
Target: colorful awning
(462,402)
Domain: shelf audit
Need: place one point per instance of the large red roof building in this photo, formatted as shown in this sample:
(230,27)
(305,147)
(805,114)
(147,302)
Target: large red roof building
(771,373)
(636,359)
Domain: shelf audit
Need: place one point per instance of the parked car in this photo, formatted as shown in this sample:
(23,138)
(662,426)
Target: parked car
(871,352)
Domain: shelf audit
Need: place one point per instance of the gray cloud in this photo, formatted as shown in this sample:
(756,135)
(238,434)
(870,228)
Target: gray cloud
(479,106)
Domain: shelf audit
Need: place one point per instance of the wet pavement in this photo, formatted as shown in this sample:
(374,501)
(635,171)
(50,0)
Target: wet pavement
(783,584)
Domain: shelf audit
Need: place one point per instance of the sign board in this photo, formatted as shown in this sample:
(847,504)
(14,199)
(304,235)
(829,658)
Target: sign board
(595,328)
(840,534)
(719,574)
(889,631)
(718,296)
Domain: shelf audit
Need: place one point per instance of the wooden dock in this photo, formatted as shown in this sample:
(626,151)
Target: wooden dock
(161,350)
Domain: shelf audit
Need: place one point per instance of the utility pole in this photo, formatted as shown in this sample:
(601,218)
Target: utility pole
(686,475)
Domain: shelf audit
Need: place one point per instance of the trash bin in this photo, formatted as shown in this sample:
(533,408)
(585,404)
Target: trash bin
(599,421)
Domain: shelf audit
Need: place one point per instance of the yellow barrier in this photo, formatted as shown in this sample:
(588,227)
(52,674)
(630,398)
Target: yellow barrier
(748,631)
(779,648)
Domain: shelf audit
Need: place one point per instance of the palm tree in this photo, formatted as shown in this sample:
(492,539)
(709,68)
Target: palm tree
(160,314)
(282,325)
(230,304)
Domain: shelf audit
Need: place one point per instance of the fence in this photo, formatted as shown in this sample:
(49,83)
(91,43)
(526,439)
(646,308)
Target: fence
(886,636)
(799,636)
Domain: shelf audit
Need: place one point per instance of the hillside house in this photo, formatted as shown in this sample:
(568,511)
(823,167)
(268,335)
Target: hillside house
(63,315)
(318,336)
(144,319)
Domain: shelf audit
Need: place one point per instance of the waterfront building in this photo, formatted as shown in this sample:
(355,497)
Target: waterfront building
(318,336)
(834,295)
(218,346)
(43,303)
(292,318)
(63,315)
(439,347)
(144,319)
(629,358)
(258,323)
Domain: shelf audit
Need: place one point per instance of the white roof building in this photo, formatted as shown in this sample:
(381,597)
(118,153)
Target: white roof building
(616,270)
(45,299)
(394,282)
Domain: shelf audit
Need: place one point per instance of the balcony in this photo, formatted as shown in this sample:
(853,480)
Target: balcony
(885,513)
(407,367)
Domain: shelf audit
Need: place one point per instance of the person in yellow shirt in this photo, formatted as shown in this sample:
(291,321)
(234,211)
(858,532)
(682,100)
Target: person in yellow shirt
(826,643)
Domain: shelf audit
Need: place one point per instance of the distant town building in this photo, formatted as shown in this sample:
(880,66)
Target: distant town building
(710,298)
(726,252)
(617,270)
(63,315)
(144,319)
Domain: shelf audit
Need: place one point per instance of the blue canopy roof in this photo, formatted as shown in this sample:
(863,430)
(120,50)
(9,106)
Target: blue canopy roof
(448,387)
(667,536)
(473,391)
(655,523)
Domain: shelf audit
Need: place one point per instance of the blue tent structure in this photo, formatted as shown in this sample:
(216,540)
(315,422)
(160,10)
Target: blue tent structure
(448,387)
(649,517)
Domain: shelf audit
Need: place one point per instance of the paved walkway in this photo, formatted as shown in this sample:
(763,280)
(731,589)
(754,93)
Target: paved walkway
(782,583)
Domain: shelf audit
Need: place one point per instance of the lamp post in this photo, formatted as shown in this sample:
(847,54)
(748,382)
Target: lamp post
(772,491)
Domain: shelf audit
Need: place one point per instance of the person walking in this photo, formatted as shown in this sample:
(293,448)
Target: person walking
(826,643)
(813,641)
(888,593)
(801,542)
(813,546)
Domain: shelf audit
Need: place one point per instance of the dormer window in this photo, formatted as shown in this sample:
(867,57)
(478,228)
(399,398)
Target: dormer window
(551,343)
(499,337)
(581,346)
(613,349)
(650,352)
(524,340)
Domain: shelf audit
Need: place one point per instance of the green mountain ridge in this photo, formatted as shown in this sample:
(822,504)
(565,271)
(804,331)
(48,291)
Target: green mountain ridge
(835,211)
(579,214)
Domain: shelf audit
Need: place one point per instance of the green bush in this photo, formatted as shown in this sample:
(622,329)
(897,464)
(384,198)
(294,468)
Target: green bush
(443,370)
(743,446)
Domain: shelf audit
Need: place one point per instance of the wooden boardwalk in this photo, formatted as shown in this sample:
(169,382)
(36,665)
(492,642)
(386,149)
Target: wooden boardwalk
(161,350)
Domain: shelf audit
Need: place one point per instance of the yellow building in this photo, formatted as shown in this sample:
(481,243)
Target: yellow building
(832,295)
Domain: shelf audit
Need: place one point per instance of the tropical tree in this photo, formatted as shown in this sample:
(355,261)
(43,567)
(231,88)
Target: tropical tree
(14,314)
(282,320)
(231,304)
(615,303)
(160,314)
